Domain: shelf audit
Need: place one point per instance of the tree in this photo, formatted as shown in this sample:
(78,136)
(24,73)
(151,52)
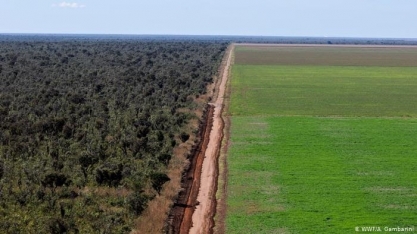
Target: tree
(1,169)
(138,202)
(159,179)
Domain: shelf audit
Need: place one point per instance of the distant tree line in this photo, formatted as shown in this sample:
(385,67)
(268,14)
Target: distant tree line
(87,127)
(202,38)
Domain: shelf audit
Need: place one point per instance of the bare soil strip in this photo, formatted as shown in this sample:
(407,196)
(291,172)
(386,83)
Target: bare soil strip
(203,221)
(195,207)
(220,216)
(181,214)
(324,45)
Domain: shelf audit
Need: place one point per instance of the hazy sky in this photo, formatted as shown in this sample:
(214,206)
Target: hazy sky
(340,18)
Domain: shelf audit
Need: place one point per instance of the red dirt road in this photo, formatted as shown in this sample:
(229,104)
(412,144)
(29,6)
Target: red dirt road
(196,205)
(203,215)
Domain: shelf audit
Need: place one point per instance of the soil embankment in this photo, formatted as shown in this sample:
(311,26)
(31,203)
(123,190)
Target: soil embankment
(196,205)
(184,207)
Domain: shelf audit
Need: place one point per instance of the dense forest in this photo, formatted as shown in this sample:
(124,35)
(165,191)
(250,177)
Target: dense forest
(88,127)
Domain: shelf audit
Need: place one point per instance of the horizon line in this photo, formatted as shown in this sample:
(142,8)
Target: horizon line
(207,35)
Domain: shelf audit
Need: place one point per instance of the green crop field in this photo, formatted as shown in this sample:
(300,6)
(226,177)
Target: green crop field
(321,148)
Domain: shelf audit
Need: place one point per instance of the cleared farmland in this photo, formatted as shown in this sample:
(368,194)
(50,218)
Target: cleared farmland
(324,90)
(387,56)
(322,147)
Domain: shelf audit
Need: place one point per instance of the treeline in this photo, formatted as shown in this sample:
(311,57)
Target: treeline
(323,40)
(202,38)
(87,128)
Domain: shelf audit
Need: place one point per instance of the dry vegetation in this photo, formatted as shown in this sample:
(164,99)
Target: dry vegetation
(154,218)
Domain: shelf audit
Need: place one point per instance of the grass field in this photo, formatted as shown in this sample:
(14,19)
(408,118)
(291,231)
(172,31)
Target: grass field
(324,90)
(321,149)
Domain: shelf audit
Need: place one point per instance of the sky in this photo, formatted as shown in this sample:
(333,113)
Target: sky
(305,18)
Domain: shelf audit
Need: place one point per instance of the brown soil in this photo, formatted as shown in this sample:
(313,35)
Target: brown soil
(220,218)
(327,55)
(195,207)
(324,45)
(203,217)
(181,214)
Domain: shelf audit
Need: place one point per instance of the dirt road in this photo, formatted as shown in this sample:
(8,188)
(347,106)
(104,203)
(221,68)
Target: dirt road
(202,221)
(196,204)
